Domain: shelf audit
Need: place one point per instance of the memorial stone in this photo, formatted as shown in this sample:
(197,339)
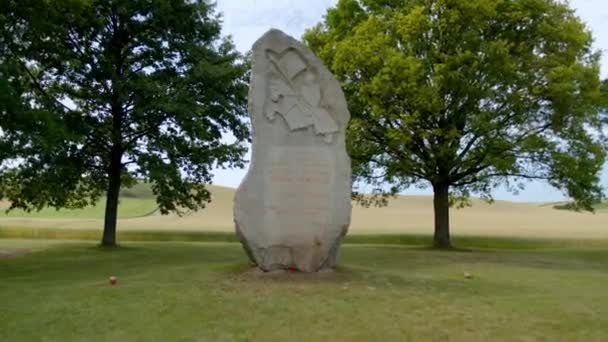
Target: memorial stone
(293,207)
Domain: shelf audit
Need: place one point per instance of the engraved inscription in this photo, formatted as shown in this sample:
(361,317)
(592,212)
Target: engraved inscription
(300,183)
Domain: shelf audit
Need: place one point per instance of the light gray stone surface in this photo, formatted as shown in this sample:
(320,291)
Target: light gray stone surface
(293,207)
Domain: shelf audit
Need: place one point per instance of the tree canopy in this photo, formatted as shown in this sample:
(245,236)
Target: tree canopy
(98,94)
(467,96)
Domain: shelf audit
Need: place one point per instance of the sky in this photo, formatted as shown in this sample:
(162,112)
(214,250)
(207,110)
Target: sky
(247,20)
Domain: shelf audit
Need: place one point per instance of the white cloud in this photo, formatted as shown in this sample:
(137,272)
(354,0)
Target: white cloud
(247,20)
(595,14)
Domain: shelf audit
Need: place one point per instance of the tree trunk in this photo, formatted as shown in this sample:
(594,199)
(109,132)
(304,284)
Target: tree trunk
(109,225)
(441,205)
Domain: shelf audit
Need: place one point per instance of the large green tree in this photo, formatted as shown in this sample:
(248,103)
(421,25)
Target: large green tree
(466,96)
(101,93)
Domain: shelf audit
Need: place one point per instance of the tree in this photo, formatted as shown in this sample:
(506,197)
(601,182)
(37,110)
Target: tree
(466,96)
(111,92)
(604,100)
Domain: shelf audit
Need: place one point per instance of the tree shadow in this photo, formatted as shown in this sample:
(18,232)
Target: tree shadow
(418,257)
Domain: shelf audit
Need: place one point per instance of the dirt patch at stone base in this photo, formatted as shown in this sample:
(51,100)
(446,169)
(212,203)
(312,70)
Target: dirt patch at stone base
(11,253)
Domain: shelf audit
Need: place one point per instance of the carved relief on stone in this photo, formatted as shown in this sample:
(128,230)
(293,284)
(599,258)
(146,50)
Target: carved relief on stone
(295,94)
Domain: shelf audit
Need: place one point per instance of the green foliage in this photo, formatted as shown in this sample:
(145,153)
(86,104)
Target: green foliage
(96,94)
(571,206)
(604,90)
(467,94)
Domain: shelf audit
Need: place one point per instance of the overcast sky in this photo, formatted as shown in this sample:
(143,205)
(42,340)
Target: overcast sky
(247,20)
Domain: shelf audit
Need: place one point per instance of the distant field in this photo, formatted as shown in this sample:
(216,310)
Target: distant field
(405,215)
(59,291)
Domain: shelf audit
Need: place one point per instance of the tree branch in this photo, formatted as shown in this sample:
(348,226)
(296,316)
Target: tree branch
(493,175)
(380,140)
(41,88)
(456,177)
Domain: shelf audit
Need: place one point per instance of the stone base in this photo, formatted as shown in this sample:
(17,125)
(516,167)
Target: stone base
(304,258)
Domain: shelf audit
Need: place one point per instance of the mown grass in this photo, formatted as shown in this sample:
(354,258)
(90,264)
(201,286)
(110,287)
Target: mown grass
(199,291)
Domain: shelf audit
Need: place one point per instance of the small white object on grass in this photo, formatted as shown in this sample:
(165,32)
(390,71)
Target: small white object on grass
(468,275)
(113,280)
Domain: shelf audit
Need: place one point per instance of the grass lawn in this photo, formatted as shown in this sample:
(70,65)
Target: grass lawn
(199,291)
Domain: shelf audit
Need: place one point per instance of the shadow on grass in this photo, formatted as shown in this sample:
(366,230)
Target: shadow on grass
(364,267)
(73,261)
(460,243)
(366,252)
(422,257)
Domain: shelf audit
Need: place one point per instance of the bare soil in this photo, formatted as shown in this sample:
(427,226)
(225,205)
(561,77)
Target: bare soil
(9,253)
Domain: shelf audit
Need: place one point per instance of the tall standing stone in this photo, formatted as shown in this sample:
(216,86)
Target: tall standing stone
(293,207)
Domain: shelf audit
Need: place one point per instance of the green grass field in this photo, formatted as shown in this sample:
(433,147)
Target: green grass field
(602,206)
(128,208)
(135,202)
(201,291)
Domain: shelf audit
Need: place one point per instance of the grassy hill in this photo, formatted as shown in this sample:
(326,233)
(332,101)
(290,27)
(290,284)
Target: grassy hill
(129,208)
(135,202)
(403,215)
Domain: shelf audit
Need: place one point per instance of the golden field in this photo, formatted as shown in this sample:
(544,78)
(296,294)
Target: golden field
(403,215)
